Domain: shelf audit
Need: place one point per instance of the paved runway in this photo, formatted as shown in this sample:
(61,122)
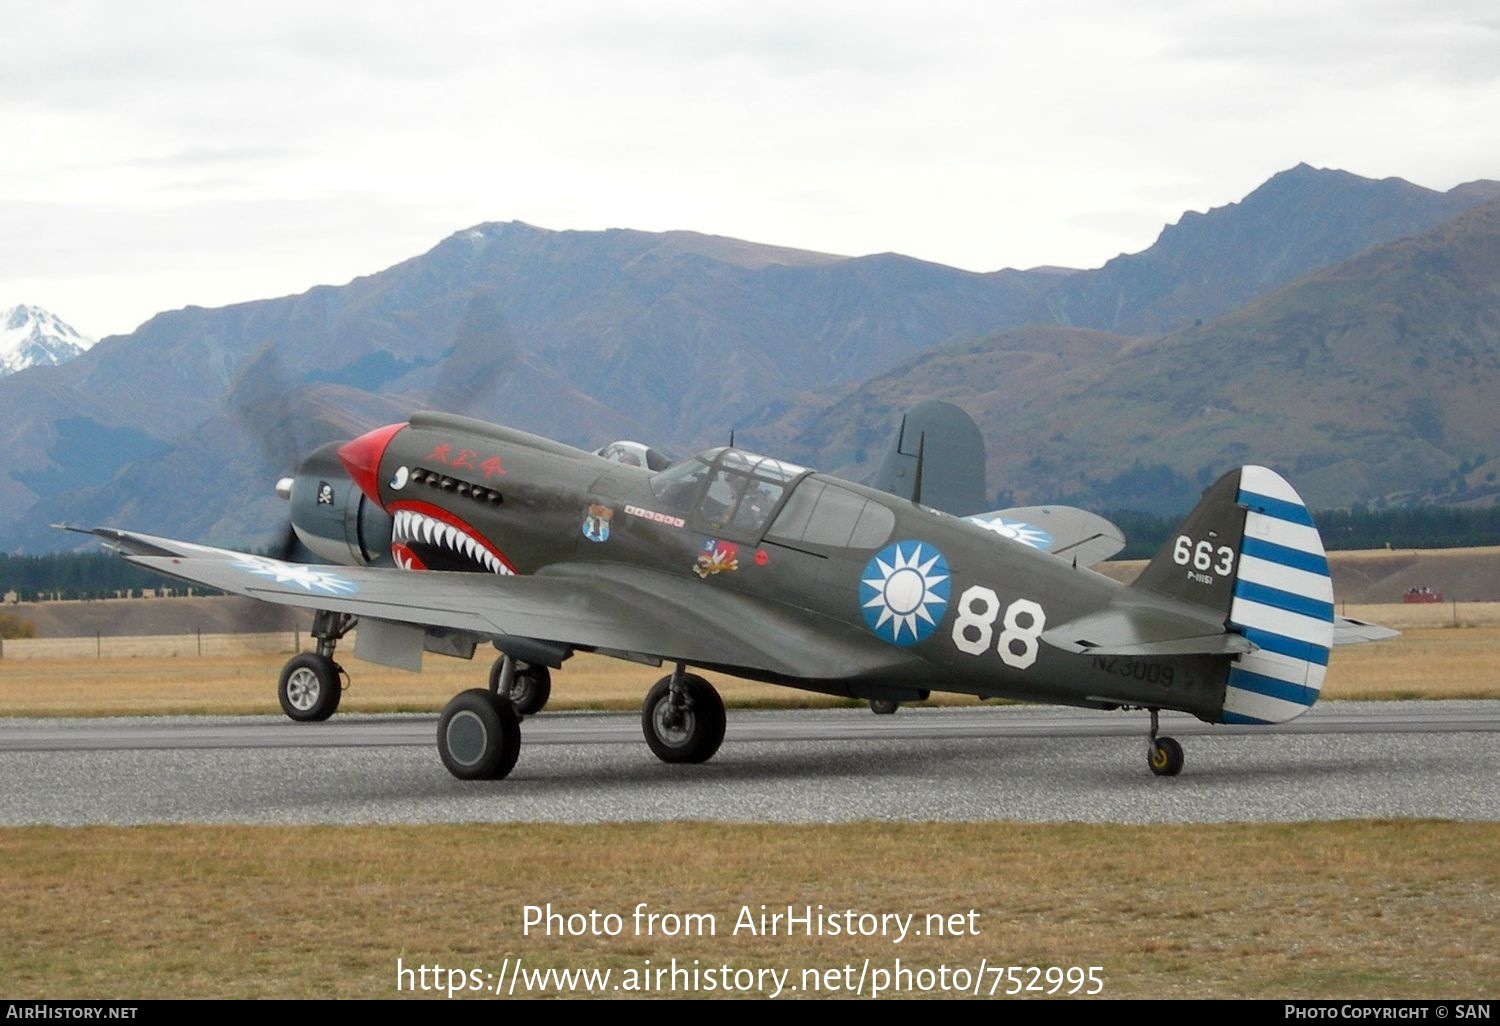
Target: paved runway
(1341,760)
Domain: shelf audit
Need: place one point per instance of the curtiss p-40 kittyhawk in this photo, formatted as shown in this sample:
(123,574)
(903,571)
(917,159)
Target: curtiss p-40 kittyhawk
(443,533)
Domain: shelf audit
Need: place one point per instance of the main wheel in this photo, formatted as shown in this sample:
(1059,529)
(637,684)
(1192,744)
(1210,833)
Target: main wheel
(310,687)
(691,732)
(884,706)
(479,736)
(1165,757)
(530,687)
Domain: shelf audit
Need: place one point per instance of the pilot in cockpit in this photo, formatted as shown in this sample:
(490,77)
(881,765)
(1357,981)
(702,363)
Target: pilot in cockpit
(759,500)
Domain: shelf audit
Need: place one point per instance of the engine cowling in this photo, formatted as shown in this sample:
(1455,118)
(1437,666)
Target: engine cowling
(332,517)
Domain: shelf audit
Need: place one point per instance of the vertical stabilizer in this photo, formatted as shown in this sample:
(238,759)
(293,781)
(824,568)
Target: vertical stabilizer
(1249,554)
(952,463)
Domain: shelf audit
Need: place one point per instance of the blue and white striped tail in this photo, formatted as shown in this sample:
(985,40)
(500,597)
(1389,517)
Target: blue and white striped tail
(1283,603)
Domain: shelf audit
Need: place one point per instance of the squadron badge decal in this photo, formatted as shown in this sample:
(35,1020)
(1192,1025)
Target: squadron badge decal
(717,557)
(596,522)
(903,592)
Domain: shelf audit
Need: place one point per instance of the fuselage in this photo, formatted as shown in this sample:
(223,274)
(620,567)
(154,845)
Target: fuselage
(939,604)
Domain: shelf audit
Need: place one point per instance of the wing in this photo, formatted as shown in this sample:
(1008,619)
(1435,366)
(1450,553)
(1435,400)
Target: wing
(590,607)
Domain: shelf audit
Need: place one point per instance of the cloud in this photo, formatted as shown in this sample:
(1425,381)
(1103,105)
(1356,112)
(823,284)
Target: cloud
(1348,45)
(192,136)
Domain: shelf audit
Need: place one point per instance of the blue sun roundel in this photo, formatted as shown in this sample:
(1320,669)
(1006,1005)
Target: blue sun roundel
(1015,530)
(903,592)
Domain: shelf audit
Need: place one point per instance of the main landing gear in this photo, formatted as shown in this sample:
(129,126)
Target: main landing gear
(311,682)
(529,686)
(479,732)
(479,735)
(683,718)
(1163,754)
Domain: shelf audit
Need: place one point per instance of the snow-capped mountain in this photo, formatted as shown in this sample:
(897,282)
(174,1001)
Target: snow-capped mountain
(30,335)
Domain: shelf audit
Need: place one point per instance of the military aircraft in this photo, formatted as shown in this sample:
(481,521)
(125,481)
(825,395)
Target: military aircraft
(741,563)
(936,435)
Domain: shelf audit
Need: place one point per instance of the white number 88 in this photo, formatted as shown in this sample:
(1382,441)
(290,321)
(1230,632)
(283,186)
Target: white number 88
(975,626)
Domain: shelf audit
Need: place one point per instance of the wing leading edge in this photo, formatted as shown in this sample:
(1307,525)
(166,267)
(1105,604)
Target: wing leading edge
(592,607)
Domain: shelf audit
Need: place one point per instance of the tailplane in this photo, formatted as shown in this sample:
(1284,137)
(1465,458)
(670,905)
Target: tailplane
(1250,554)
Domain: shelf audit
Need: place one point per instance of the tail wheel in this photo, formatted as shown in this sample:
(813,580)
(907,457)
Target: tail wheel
(310,687)
(689,730)
(479,736)
(1165,757)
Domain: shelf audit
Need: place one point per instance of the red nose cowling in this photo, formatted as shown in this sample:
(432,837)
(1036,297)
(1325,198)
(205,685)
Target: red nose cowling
(361,458)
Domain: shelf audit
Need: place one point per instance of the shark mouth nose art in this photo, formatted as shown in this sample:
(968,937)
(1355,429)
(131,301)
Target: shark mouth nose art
(432,539)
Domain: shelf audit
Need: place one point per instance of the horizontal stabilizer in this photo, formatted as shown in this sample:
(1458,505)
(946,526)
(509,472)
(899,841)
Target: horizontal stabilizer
(1348,631)
(1140,630)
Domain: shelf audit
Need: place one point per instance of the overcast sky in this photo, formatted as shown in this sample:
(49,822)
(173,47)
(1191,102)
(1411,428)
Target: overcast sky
(157,155)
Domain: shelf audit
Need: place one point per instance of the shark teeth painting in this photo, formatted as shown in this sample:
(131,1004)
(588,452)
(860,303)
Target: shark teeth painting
(422,541)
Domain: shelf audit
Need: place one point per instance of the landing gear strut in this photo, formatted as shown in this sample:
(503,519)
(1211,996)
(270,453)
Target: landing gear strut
(683,718)
(311,682)
(1163,754)
(528,687)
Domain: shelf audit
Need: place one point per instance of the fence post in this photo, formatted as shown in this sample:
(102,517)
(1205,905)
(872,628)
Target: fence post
(98,646)
(200,641)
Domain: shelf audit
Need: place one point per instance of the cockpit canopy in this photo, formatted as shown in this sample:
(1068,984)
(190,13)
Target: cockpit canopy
(745,496)
(727,488)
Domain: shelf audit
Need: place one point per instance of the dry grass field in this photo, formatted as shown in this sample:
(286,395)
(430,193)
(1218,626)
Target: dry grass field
(1320,910)
(246,683)
(123,657)
(238,673)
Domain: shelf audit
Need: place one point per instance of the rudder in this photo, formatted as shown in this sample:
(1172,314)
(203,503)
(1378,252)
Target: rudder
(1283,603)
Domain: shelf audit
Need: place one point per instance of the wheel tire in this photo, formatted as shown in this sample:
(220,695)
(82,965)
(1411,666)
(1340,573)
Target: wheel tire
(479,736)
(1165,757)
(530,688)
(310,687)
(692,736)
(884,706)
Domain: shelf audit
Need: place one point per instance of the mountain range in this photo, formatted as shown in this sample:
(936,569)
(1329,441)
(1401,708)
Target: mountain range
(1343,329)
(1371,381)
